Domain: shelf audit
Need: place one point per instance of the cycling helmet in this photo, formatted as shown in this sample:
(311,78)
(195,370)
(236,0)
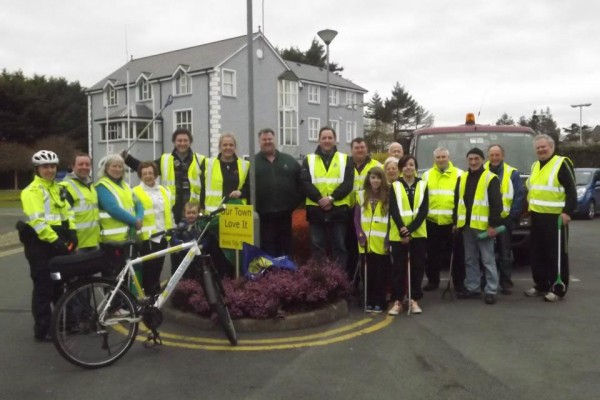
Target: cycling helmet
(44,157)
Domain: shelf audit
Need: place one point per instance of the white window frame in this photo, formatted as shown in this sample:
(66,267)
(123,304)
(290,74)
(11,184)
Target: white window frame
(178,85)
(350,131)
(230,83)
(314,125)
(351,99)
(287,99)
(335,124)
(144,90)
(183,124)
(110,97)
(334,97)
(314,94)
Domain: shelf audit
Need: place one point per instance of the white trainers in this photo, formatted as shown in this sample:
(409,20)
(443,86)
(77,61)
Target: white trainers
(551,297)
(396,308)
(533,292)
(414,307)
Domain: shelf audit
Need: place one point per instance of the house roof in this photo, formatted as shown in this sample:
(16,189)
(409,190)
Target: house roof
(205,57)
(310,73)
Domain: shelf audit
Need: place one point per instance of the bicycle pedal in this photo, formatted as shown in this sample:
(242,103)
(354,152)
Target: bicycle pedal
(153,340)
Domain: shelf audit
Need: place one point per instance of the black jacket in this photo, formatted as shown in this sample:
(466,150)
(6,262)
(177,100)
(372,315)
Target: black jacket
(278,184)
(494,197)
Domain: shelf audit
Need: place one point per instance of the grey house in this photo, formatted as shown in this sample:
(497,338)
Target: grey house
(210,96)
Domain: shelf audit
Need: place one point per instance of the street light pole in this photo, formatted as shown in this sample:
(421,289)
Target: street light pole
(581,119)
(327,36)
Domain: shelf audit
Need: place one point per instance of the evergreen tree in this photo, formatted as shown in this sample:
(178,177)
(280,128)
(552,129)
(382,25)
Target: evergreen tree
(505,120)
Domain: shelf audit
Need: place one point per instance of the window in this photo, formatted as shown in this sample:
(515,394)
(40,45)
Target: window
(183,119)
(314,124)
(144,91)
(117,131)
(335,125)
(228,82)
(137,127)
(334,97)
(288,112)
(110,96)
(314,94)
(351,99)
(350,131)
(113,133)
(183,84)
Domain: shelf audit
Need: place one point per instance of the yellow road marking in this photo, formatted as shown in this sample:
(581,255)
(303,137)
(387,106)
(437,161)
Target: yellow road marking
(11,252)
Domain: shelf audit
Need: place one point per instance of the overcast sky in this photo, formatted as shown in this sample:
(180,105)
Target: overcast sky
(452,56)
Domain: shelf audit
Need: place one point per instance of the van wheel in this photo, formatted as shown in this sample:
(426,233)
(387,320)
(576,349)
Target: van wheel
(591,210)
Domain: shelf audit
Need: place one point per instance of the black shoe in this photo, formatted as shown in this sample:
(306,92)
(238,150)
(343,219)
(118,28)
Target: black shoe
(430,286)
(468,295)
(490,299)
(41,339)
(506,291)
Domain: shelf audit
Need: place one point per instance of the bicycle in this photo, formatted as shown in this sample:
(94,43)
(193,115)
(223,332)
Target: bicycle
(96,320)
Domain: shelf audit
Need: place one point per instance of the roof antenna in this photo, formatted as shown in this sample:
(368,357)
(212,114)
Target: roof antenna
(263,17)
(481,105)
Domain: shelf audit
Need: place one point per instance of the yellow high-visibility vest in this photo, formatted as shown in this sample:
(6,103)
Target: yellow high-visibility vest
(481,206)
(506,188)
(85,211)
(111,229)
(407,213)
(441,187)
(149,222)
(546,194)
(374,224)
(327,180)
(214,182)
(167,172)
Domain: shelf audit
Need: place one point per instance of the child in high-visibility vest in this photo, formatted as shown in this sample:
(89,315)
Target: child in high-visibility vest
(371,223)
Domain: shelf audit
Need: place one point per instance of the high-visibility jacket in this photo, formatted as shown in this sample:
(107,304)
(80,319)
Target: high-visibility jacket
(112,229)
(480,210)
(85,211)
(214,182)
(167,172)
(149,222)
(545,193)
(374,224)
(327,180)
(44,209)
(359,178)
(506,188)
(407,213)
(441,187)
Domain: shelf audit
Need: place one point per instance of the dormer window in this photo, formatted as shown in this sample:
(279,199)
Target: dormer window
(183,84)
(144,90)
(110,96)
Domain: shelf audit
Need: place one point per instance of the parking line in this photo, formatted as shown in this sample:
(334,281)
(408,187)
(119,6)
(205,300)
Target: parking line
(11,252)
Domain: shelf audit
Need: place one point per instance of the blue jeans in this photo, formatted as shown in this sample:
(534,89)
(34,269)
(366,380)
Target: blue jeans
(474,250)
(333,232)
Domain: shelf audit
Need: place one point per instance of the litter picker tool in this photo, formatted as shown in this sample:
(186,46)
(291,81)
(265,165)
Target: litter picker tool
(559,283)
(409,308)
(158,114)
(449,289)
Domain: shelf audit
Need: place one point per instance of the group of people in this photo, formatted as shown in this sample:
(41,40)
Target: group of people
(356,209)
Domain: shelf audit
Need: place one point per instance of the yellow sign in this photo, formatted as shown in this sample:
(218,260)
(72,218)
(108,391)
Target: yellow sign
(236,226)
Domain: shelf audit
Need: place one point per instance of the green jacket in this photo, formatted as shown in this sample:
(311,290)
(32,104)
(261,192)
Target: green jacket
(278,184)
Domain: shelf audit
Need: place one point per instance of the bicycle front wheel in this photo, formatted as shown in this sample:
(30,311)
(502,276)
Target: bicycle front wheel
(223,314)
(78,334)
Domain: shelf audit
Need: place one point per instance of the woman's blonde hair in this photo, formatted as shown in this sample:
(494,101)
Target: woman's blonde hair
(383,195)
(227,135)
(107,161)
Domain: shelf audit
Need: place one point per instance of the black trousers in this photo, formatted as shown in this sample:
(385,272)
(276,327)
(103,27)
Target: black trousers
(440,244)
(351,248)
(377,264)
(45,291)
(152,269)
(416,249)
(276,233)
(544,253)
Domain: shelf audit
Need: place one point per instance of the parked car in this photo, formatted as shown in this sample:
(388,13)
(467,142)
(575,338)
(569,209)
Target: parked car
(588,192)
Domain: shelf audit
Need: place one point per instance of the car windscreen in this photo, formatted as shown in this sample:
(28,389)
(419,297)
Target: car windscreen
(582,178)
(518,147)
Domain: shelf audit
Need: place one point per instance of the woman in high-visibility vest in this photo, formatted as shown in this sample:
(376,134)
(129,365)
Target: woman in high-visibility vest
(225,176)
(121,213)
(409,204)
(158,217)
(49,231)
(371,224)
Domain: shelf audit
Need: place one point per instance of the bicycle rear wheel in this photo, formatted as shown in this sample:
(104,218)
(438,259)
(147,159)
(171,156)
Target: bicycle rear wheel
(216,298)
(79,336)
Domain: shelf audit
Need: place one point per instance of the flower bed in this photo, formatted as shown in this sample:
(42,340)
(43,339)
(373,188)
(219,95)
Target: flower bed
(278,293)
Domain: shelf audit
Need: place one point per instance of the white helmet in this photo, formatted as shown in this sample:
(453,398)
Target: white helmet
(44,157)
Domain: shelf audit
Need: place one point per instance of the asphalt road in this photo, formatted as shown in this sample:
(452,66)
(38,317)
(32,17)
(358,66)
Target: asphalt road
(520,348)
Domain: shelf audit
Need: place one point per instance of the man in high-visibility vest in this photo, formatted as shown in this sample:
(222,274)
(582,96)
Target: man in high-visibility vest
(552,196)
(441,241)
(513,195)
(478,204)
(81,195)
(362,165)
(328,178)
(181,171)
